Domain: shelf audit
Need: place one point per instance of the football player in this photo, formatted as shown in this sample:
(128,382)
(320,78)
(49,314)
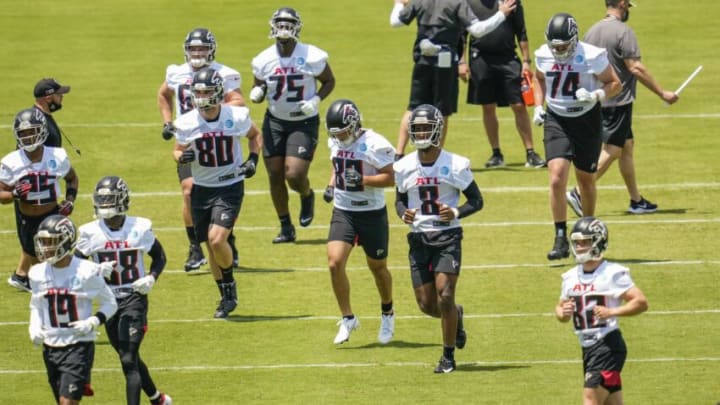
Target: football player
(594,294)
(362,166)
(573,78)
(208,139)
(31,176)
(200,47)
(429,182)
(119,243)
(286,73)
(63,290)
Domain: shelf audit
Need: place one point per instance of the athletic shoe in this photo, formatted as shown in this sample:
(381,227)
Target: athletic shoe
(642,207)
(346,327)
(495,161)
(195,258)
(307,209)
(229,300)
(445,365)
(534,160)
(286,235)
(19,282)
(236,259)
(560,250)
(88,390)
(387,328)
(573,200)
(460,335)
(163,400)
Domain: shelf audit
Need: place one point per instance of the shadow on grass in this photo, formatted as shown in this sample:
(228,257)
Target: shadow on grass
(488,367)
(509,167)
(311,242)
(395,343)
(241,269)
(263,318)
(639,261)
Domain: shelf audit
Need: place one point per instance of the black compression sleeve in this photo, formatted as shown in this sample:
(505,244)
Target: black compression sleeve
(474,201)
(401,203)
(157,254)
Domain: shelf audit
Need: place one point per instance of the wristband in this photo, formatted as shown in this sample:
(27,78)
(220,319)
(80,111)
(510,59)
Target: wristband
(455,212)
(253,157)
(71,192)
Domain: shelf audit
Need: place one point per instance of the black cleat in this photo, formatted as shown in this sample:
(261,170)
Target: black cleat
(195,258)
(307,209)
(460,336)
(229,300)
(445,365)
(19,282)
(286,235)
(560,250)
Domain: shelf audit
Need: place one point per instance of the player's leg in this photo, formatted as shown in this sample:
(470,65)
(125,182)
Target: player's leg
(341,239)
(299,153)
(558,152)
(225,207)
(195,258)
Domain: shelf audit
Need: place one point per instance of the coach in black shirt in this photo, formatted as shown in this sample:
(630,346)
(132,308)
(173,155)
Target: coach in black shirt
(48,99)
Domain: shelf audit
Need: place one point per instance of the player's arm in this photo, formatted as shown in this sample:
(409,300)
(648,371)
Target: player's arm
(611,82)
(384,178)
(327,82)
(6,193)
(107,305)
(234,97)
(641,72)
(395,13)
(71,185)
(540,87)
(255,140)
(165,100)
(159,260)
(564,309)
(178,151)
(481,28)
(635,303)
(474,201)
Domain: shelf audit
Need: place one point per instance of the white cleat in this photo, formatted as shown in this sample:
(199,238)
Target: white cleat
(387,328)
(346,327)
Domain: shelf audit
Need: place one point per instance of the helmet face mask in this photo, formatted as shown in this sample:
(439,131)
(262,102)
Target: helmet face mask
(199,48)
(285,24)
(343,122)
(111,197)
(30,128)
(588,239)
(562,36)
(425,126)
(206,89)
(55,239)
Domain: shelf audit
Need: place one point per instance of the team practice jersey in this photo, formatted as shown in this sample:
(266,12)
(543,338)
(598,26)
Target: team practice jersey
(44,175)
(369,153)
(179,77)
(430,186)
(64,295)
(289,80)
(604,286)
(127,246)
(563,79)
(216,144)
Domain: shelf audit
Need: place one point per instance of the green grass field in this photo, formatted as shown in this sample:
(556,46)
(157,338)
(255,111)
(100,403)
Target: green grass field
(277,347)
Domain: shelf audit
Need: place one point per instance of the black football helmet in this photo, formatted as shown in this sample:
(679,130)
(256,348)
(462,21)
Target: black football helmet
(593,229)
(342,117)
(111,197)
(206,80)
(285,23)
(562,36)
(30,128)
(425,126)
(203,39)
(55,238)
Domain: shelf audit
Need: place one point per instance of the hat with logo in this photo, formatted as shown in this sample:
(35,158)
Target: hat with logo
(47,87)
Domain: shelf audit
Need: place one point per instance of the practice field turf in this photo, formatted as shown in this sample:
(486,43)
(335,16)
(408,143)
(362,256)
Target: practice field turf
(277,346)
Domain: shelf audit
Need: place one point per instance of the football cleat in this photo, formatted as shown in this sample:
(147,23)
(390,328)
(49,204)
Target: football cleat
(642,207)
(560,250)
(19,282)
(534,160)
(387,328)
(460,335)
(195,258)
(574,201)
(229,300)
(346,327)
(307,209)
(286,235)
(164,399)
(445,365)
(495,161)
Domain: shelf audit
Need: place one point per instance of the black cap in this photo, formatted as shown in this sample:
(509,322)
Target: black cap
(47,87)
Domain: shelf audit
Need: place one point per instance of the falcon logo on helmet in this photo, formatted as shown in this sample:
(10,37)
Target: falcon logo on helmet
(285,23)
(30,128)
(343,116)
(55,238)
(111,197)
(425,126)
(200,47)
(206,89)
(562,36)
(593,229)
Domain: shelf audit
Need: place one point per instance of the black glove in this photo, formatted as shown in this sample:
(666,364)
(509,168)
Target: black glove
(249,166)
(168,130)
(187,156)
(329,194)
(399,156)
(21,190)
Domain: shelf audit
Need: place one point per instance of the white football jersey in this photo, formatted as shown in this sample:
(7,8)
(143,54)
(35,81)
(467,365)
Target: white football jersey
(369,153)
(563,79)
(289,80)
(44,176)
(604,286)
(218,152)
(179,78)
(430,186)
(64,295)
(127,246)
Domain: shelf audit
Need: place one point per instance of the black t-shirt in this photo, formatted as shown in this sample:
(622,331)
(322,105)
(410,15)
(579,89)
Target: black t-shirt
(54,136)
(500,41)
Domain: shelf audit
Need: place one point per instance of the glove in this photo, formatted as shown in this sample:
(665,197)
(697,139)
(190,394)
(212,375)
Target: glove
(353,178)
(37,336)
(144,285)
(249,166)
(187,156)
(106,268)
(168,130)
(539,115)
(427,48)
(21,190)
(399,156)
(310,107)
(66,207)
(257,94)
(85,326)
(329,194)
(585,96)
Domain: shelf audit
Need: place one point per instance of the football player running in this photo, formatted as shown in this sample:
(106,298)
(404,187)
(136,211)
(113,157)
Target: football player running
(208,138)
(64,288)
(286,74)
(573,78)
(429,182)
(200,47)
(362,166)
(31,176)
(119,243)
(594,294)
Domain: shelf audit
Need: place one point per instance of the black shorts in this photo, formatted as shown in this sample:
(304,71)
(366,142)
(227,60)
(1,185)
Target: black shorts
(617,124)
(68,368)
(494,80)
(215,205)
(578,139)
(436,86)
(368,229)
(434,252)
(290,138)
(129,323)
(184,171)
(603,362)
(28,228)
